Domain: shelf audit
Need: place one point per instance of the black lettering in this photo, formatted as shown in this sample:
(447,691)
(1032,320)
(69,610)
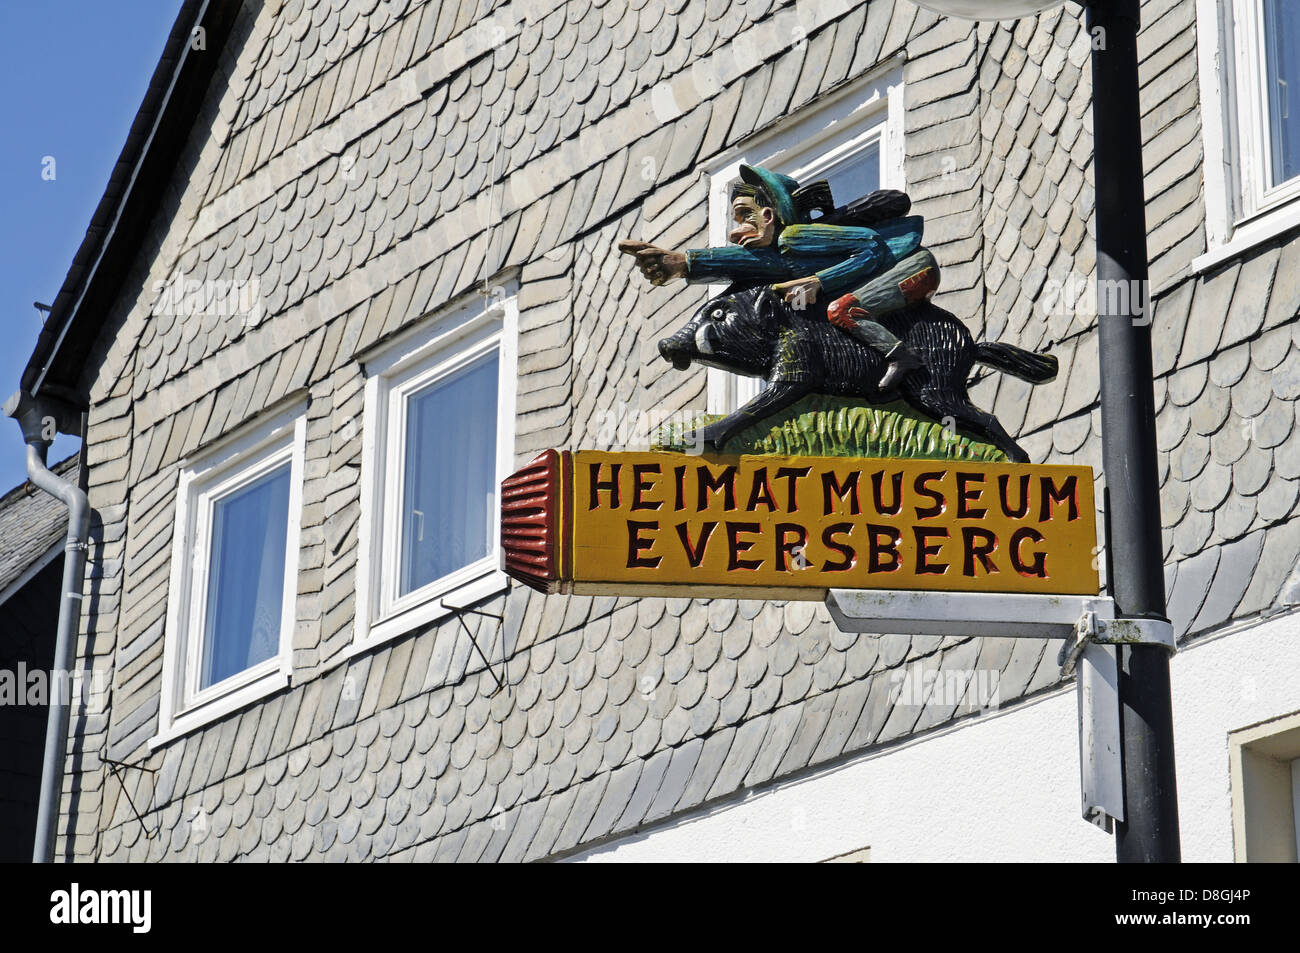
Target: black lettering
(966,496)
(725,481)
(927,512)
(849,488)
(735,546)
(924,551)
(679,488)
(1019,512)
(1068,493)
(877,493)
(792,476)
(977,544)
(610,485)
(875,563)
(844,549)
(695,554)
(1039,566)
(760,492)
(785,546)
(640,485)
(636,545)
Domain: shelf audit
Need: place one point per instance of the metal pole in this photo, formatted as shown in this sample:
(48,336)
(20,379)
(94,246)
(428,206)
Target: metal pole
(1136,555)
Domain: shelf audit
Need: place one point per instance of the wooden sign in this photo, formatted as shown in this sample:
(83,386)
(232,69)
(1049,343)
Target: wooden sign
(593,522)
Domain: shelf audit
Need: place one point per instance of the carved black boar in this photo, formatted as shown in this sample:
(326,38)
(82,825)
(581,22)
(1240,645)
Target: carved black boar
(798,352)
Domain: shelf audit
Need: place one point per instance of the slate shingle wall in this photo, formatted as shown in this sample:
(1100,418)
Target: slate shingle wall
(367,162)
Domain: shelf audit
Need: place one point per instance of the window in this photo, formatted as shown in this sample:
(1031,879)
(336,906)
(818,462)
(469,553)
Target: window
(448,499)
(1250,91)
(1280,29)
(1265,768)
(438,439)
(234,578)
(853,139)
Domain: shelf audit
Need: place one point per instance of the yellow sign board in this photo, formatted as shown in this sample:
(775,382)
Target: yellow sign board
(648,522)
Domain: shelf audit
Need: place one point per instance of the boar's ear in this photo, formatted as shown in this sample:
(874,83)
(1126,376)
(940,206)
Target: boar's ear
(769,306)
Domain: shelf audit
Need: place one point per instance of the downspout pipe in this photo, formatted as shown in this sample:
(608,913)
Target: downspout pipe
(40,419)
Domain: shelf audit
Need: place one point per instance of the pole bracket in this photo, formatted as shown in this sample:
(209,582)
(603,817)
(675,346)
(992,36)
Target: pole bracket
(1102,630)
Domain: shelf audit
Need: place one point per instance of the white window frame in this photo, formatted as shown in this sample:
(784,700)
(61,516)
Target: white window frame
(233,463)
(1241,211)
(438,348)
(1295,801)
(806,145)
(1264,774)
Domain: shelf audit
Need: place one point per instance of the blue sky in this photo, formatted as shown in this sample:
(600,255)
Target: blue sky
(73,73)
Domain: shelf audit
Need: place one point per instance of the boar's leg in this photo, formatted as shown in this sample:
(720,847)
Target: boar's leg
(970,417)
(775,398)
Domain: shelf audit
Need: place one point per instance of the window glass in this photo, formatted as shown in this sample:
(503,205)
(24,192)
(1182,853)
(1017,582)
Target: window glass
(1282,86)
(449,481)
(856,177)
(246,578)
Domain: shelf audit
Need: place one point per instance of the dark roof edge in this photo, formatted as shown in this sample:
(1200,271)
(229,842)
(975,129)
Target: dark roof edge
(139,178)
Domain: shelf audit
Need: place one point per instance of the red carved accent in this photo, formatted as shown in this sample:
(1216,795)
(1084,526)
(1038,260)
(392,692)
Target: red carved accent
(923,284)
(841,311)
(530,523)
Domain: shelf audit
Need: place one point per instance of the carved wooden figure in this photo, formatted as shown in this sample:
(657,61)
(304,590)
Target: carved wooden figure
(834,301)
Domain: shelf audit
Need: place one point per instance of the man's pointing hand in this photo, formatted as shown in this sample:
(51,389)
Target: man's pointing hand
(658,264)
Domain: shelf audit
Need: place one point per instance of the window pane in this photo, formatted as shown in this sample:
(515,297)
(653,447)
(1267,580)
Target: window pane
(1282,80)
(246,577)
(450,476)
(856,177)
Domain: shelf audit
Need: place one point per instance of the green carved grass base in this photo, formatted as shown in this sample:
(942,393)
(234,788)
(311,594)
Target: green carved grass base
(820,426)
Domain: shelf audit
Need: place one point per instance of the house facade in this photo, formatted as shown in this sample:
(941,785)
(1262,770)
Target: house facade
(358,263)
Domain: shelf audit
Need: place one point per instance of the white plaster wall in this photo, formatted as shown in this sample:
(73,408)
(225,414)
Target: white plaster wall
(1003,787)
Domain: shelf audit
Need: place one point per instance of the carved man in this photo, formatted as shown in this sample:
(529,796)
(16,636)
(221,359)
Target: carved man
(866,271)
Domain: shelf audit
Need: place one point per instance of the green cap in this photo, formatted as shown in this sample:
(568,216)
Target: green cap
(779,188)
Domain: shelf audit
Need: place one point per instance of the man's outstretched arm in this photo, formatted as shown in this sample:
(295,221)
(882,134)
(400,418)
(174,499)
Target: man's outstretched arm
(705,265)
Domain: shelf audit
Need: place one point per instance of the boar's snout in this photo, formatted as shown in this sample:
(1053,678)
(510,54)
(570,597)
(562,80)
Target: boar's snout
(677,350)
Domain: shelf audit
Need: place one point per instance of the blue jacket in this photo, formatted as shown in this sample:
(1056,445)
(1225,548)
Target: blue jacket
(843,257)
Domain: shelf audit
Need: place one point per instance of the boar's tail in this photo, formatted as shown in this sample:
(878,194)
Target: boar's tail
(1028,366)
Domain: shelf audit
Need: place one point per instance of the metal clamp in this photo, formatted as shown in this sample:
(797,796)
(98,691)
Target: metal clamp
(1092,629)
(1092,656)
